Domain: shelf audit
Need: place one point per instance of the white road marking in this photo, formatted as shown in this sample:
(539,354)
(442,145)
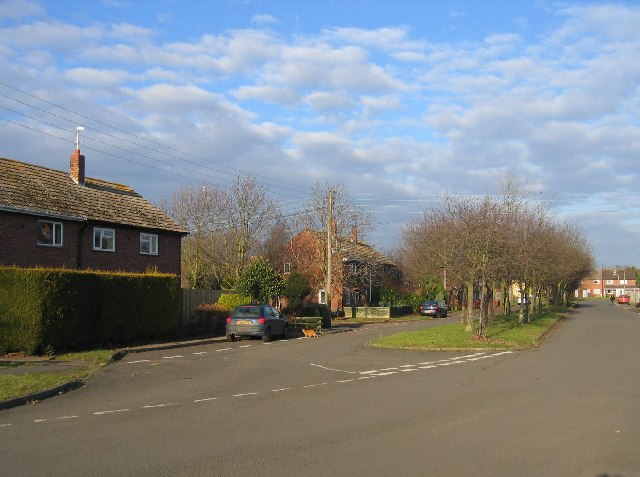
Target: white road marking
(99,413)
(245,394)
(371,371)
(201,352)
(139,361)
(7,425)
(245,346)
(408,370)
(206,399)
(39,420)
(387,373)
(172,357)
(331,369)
(428,366)
(314,385)
(279,390)
(68,417)
(390,369)
(223,349)
(161,405)
(345,381)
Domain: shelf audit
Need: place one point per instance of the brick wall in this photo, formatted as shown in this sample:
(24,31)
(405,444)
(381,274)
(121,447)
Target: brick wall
(19,247)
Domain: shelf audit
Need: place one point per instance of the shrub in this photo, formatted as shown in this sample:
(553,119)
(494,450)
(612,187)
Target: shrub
(229,301)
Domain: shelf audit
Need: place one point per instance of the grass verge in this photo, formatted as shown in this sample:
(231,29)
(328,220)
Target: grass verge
(504,333)
(15,386)
(22,384)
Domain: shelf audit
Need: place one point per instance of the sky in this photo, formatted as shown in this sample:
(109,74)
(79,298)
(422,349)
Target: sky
(399,101)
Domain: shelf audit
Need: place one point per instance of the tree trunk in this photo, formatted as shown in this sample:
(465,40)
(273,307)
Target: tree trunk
(469,313)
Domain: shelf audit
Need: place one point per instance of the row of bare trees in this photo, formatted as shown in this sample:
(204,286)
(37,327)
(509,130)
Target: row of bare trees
(486,244)
(230,225)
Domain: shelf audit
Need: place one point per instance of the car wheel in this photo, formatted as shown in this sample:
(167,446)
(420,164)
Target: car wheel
(231,338)
(266,337)
(285,334)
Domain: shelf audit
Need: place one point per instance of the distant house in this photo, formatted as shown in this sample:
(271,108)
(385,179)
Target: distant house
(608,281)
(50,218)
(358,270)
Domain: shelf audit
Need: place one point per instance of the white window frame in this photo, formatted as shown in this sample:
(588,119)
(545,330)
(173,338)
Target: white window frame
(287,268)
(609,282)
(151,240)
(56,233)
(322,296)
(104,235)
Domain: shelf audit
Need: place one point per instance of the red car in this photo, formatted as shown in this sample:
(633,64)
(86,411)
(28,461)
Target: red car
(623,299)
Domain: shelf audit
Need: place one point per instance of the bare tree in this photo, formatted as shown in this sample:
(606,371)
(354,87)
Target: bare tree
(227,227)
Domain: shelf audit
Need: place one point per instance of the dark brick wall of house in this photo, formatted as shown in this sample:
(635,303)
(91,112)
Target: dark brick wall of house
(19,247)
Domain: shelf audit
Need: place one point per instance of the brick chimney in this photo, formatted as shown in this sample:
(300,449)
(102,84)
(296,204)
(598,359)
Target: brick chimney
(76,167)
(354,235)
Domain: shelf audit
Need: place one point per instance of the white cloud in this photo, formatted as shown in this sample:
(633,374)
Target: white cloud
(19,9)
(264,19)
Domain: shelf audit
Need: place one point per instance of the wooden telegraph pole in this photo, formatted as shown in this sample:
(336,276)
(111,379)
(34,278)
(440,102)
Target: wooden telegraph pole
(327,286)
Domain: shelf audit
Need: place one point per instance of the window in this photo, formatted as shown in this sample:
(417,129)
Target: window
(104,239)
(148,244)
(596,282)
(322,297)
(287,268)
(609,282)
(49,233)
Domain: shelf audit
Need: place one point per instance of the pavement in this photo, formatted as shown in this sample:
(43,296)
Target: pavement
(28,365)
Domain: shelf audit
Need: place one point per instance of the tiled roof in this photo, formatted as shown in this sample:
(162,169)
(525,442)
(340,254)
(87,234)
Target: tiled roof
(357,251)
(37,190)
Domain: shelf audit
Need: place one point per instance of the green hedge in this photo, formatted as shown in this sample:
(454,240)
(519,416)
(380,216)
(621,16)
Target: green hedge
(51,310)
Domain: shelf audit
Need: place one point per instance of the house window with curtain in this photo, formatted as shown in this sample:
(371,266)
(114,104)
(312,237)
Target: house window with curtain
(49,233)
(148,244)
(104,239)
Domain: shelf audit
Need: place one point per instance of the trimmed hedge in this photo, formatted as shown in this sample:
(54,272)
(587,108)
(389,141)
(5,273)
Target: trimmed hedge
(52,310)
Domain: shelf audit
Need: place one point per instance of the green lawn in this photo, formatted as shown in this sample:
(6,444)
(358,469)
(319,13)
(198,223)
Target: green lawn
(14,386)
(503,333)
(18,385)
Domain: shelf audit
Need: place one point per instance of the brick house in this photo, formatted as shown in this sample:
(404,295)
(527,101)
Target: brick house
(50,218)
(608,281)
(358,270)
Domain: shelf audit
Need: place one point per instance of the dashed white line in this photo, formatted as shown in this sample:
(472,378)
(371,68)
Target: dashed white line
(139,361)
(39,420)
(150,406)
(5,425)
(206,399)
(201,352)
(245,394)
(332,369)
(344,381)
(245,346)
(99,413)
(314,385)
(279,390)
(223,349)
(408,370)
(172,357)
(429,366)
(67,417)
(387,373)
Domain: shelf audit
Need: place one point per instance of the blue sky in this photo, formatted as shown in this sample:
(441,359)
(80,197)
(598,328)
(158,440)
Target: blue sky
(402,101)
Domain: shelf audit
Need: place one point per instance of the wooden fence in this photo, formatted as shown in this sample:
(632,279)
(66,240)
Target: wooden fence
(192,298)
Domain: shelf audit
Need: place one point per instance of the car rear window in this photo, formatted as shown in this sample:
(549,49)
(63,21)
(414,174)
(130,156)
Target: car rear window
(247,311)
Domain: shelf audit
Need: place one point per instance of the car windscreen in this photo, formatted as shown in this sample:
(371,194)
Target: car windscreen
(246,311)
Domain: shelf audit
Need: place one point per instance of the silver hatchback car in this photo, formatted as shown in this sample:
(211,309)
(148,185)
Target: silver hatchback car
(256,320)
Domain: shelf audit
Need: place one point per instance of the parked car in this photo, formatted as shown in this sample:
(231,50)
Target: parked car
(624,299)
(433,308)
(256,320)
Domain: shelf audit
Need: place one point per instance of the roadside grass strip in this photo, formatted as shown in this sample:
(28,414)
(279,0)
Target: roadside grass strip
(505,333)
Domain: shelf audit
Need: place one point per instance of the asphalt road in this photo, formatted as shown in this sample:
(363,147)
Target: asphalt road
(331,406)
